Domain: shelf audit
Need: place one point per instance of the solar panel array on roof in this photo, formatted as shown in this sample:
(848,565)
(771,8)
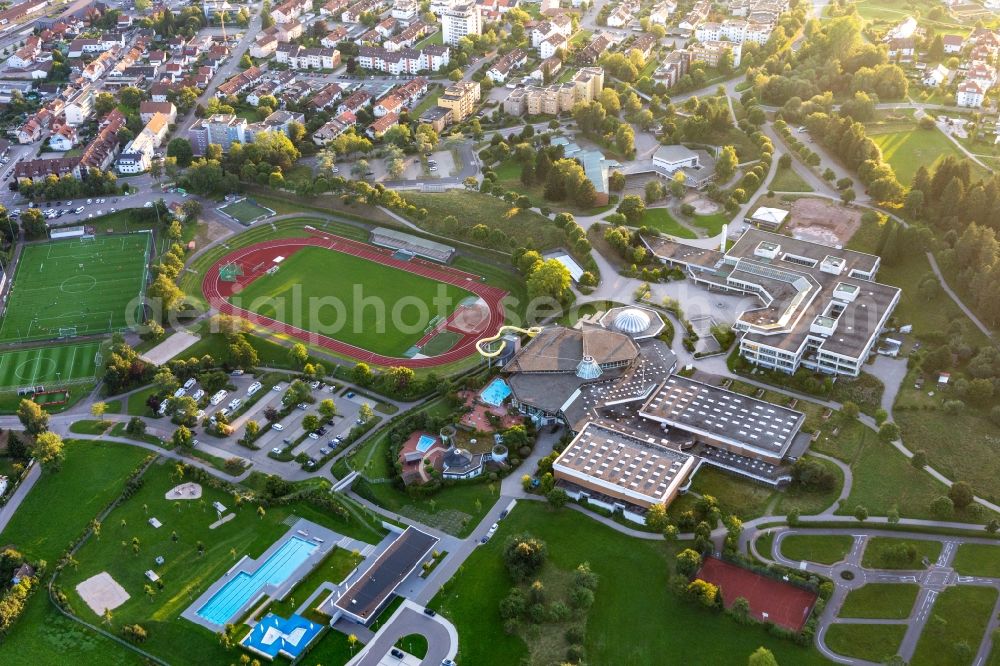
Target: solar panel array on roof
(728,415)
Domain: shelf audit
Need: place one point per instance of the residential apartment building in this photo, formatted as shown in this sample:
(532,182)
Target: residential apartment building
(505,64)
(711,53)
(404,61)
(585,86)
(222,129)
(461,98)
(459,21)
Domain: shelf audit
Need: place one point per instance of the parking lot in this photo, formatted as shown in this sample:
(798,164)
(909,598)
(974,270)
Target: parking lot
(280,438)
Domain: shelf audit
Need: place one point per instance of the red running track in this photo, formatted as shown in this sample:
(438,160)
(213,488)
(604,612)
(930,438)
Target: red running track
(786,605)
(256,259)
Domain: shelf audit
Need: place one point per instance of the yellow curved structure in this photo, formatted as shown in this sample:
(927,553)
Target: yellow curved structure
(530,332)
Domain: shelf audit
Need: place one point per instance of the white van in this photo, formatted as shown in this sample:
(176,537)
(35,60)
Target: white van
(218,397)
(189,384)
(163,408)
(235,403)
(198,395)
(256,386)
(180,392)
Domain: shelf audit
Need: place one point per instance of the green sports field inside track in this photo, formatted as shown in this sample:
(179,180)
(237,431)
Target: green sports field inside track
(76,287)
(48,365)
(314,275)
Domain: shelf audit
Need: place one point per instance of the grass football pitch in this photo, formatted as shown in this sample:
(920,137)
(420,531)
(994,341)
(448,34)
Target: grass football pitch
(76,287)
(372,306)
(245,211)
(48,365)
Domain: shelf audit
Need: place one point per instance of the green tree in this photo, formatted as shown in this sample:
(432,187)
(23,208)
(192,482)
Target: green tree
(33,223)
(889,432)
(632,208)
(919,459)
(861,513)
(961,494)
(48,450)
(725,166)
(310,422)
(328,409)
(365,413)
(687,562)
(298,355)
(943,507)
(550,279)
(182,437)
(762,657)
(180,149)
(34,419)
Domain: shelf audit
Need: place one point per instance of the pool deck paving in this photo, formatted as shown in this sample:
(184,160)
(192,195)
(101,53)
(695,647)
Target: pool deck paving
(325,538)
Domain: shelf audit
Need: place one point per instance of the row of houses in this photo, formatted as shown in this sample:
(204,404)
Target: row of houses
(585,86)
(404,61)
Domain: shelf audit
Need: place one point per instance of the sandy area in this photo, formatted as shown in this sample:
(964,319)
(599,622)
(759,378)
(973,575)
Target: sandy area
(823,221)
(702,205)
(101,593)
(170,347)
(185,491)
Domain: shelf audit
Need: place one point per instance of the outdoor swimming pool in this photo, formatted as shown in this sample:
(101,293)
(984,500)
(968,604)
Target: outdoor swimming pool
(225,603)
(495,393)
(425,442)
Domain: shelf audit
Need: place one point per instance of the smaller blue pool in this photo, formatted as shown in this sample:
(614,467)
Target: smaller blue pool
(425,443)
(495,393)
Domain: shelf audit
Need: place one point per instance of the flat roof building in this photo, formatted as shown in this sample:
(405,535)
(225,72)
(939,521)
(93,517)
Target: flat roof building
(820,307)
(365,598)
(623,467)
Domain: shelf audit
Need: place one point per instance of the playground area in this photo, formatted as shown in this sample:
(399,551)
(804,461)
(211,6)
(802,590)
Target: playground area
(246,211)
(80,286)
(57,365)
(388,312)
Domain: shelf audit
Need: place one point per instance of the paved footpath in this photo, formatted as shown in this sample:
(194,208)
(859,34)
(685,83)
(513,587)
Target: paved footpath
(8,509)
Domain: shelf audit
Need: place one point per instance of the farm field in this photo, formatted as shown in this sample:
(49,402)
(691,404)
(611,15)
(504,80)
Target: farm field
(76,287)
(364,303)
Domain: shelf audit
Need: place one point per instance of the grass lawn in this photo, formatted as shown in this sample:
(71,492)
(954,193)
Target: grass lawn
(965,611)
(787,180)
(245,211)
(818,548)
(185,573)
(968,451)
(883,477)
(661,220)
(48,365)
(136,405)
(658,622)
(469,209)
(712,224)
(312,274)
(64,502)
(89,427)
(890,601)
(873,642)
(874,557)
(414,644)
(907,150)
(440,343)
(87,286)
(977,559)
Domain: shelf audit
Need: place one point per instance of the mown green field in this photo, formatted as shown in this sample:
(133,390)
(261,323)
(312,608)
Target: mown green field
(370,305)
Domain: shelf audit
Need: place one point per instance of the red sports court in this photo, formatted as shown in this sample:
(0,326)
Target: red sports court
(770,600)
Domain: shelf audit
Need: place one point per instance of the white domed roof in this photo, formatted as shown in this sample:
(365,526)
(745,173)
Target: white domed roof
(632,320)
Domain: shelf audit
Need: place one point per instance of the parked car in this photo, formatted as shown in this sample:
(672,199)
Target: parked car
(189,383)
(198,395)
(313,435)
(253,388)
(276,450)
(277,426)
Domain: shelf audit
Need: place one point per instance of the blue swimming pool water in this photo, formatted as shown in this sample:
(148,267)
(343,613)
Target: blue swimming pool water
(425,442)
(495,393)
(225,603)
